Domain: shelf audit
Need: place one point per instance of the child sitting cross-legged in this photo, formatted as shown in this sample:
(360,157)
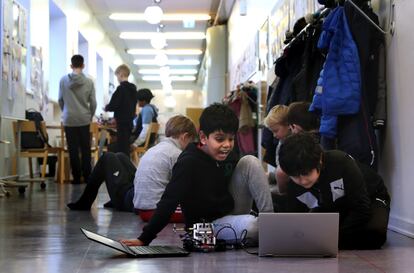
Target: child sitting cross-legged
(211,185)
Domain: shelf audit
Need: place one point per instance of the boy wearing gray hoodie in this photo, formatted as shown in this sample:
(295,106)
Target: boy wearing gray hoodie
(78,104)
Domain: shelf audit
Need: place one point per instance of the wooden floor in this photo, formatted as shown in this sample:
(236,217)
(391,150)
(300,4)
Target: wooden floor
(39,234)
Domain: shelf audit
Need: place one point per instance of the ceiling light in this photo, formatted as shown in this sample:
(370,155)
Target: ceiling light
(170,71)
(167,35)
(137,51)
(161,58)
(173,78)
(170,102)
(153,14)
(165,17)
(165,81)
(163,71)
(158,41)
(170,62)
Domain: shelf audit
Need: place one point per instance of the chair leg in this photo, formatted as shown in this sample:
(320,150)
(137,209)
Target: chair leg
(30,167)
(14,165)
(43,174)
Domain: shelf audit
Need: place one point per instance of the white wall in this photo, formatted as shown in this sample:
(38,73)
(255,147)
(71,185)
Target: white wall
(242,29)
(216,63)
(398,156)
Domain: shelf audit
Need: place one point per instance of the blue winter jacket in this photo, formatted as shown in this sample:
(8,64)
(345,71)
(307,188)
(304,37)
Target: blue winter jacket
(339,86)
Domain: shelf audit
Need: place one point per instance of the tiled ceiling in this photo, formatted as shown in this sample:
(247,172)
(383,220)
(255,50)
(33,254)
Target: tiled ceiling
(103,8)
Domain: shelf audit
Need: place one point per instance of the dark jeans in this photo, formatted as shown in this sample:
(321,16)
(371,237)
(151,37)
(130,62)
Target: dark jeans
(78,139)
(374,233)
(123,133)
(118,173)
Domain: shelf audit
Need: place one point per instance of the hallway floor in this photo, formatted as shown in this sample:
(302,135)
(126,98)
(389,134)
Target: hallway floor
(39,234)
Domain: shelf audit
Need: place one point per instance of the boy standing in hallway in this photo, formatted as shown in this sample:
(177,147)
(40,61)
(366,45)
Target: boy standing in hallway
(78,104)
(123,104)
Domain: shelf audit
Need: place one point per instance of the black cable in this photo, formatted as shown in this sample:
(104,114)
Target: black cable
(243,243)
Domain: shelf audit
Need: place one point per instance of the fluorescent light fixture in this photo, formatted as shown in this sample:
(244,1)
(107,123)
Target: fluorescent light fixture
(167,35)
(161,58)
(153,14)
(170,62)
(165,17)
(173,78)
(170,71)
(158,41)
(138,51)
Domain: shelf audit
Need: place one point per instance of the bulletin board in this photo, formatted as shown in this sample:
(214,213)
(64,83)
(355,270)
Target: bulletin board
(13,59)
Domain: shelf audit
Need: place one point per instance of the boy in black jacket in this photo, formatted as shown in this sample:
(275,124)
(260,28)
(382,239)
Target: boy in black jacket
(123,104)
(211,185)
(332,181)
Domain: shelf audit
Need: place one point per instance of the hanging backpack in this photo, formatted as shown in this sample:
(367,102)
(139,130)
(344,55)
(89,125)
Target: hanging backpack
(33,140)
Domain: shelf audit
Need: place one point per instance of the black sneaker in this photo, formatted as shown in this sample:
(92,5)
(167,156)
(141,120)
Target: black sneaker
(77,206)
(108,204)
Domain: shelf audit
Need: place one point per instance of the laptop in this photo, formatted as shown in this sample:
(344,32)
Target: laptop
(137,251)
(298,234)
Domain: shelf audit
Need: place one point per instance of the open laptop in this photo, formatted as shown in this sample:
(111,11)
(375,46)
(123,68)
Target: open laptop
(137,251)
(298,234)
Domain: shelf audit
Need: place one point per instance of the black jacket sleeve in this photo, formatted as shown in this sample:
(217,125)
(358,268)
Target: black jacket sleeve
(115,102)
(173,194)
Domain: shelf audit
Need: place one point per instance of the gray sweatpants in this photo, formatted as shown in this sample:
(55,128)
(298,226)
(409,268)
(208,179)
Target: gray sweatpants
(249,183)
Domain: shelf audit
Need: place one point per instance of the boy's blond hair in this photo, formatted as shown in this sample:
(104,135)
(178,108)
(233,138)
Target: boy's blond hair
(276,115)
(178,125)
(123,70)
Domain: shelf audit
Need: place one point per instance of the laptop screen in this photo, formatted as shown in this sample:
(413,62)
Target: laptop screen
(103,240)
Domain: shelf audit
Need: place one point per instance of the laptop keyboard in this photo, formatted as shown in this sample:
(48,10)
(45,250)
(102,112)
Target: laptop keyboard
(150,250)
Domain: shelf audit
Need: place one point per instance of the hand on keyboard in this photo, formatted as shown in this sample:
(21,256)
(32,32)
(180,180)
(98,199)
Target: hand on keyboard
(134,242)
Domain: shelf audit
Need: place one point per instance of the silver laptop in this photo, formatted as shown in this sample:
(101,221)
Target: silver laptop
(137,251)
(298,234)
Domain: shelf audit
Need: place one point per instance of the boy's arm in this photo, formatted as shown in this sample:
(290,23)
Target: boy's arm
(92,101)
(146,114)
(60,97)
(114,103)
(173,194)
(358,202)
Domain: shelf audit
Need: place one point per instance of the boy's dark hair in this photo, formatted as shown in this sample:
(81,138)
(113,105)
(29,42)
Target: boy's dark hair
(77,61)
(145,94)
(218,117)
(298,113)
(299,154)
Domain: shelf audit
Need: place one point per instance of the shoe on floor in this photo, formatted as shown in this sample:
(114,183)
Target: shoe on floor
(77,206)
(108,204)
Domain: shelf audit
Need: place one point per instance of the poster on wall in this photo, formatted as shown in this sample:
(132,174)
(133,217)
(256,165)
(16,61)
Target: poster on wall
(7,16)
(247,65)
(278,24)
(36,75)
(264,49)
(6,58)
(22,26)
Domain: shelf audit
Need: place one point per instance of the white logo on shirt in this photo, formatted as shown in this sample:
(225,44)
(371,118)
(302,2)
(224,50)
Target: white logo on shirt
(337,189)
(116,173)
(309,200)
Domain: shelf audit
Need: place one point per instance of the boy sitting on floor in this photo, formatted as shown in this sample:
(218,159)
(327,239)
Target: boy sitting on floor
(151,177)
(333,181)
(211,185)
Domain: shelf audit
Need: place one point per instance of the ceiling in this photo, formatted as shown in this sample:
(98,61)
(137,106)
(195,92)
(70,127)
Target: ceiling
(103,8)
